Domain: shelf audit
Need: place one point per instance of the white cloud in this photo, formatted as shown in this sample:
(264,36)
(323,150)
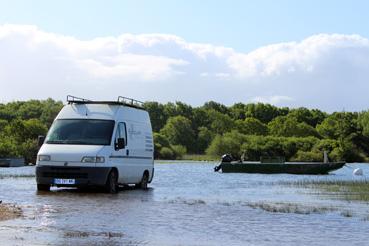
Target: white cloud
(304,57)
(328,71)
(275,100)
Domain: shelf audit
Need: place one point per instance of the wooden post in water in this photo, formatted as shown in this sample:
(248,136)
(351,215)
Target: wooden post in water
(326,160)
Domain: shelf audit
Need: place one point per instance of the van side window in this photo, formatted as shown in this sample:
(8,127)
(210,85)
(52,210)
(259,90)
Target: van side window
(121,132)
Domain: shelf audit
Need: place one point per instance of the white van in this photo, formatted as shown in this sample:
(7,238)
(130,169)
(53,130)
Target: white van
(97,143)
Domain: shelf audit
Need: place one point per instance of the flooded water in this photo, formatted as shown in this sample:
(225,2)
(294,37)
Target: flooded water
(187,204)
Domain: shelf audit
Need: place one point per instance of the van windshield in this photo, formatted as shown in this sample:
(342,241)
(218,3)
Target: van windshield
(80,131)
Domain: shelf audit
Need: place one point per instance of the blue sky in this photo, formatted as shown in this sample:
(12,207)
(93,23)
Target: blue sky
(313,54)
(242,25)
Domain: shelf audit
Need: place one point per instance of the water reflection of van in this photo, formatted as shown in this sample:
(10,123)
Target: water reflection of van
(97,143)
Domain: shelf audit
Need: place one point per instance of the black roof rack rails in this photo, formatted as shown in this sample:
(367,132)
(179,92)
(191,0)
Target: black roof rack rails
(124,101)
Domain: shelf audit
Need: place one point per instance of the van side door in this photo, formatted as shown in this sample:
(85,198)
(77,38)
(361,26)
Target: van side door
(119,157)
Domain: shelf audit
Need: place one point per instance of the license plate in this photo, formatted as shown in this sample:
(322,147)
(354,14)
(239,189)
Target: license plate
(65,181)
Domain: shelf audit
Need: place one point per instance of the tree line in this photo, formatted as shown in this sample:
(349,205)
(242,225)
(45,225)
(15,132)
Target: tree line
(21,123)
(248,130)
(256,129)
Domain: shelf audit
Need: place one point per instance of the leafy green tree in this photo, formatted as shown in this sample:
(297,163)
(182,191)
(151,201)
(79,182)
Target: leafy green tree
(256,146)
(204,138)
(160,141)
(30,110)
(346,151)
(157,116)
(170,109)
(318,117)
(178,131)
(310,117)
(238,111)
(9,111)
(3,124)
(200,118)
(216,107)
(184,110)
(339,125)
(220,123)
(22,130)
(345,129)
(288,126)
(292,144)
(264,112)
(164,150)
(364,123)
(8,147)
(362,140)
(229,143)
(262,129)
(179,151)
(167,154)
(22,138)
(251,126)
(50,110)
(307,156)
(28,149)
(326,145)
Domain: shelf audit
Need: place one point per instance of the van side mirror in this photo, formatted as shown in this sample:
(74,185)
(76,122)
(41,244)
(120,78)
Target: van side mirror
(40,140)
(120,144)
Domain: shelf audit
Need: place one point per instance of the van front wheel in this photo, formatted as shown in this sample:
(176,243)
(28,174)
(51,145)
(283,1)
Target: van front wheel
(111,185)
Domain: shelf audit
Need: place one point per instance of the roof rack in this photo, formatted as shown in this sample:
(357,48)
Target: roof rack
(124,101)
(76,99)
(130,101)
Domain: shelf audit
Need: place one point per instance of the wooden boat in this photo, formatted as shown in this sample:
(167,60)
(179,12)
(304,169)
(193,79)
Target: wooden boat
(12,162)
(270,166)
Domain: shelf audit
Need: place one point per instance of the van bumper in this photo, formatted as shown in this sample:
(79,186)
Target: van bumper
(83,176)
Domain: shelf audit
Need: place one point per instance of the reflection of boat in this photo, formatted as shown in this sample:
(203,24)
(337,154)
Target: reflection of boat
(277,165)
(12,162)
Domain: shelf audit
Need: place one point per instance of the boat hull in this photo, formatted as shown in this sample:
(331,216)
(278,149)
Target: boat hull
(288,167)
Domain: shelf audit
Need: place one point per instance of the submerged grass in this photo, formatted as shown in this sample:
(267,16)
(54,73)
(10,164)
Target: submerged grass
(82,234)
(280,207)
(3,176)
(355,190)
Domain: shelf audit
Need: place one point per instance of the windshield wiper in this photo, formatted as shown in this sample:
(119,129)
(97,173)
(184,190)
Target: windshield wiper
(55,141)
(76,142)
(66,141)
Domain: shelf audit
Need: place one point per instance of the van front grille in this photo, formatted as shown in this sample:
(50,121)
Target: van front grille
(66,175)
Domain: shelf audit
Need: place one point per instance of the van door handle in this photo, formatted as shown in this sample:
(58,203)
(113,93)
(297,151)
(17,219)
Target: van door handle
(127,152)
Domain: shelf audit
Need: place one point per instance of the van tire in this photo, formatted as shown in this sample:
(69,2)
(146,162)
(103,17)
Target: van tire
(43,187)
(111,185)
(144,182)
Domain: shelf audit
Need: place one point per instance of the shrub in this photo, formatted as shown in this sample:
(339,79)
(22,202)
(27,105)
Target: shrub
(166,154)
(229,143)
(179,151)
(307,156)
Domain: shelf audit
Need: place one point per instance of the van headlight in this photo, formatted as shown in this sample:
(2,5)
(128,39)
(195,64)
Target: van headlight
(93,159)
(43,158)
